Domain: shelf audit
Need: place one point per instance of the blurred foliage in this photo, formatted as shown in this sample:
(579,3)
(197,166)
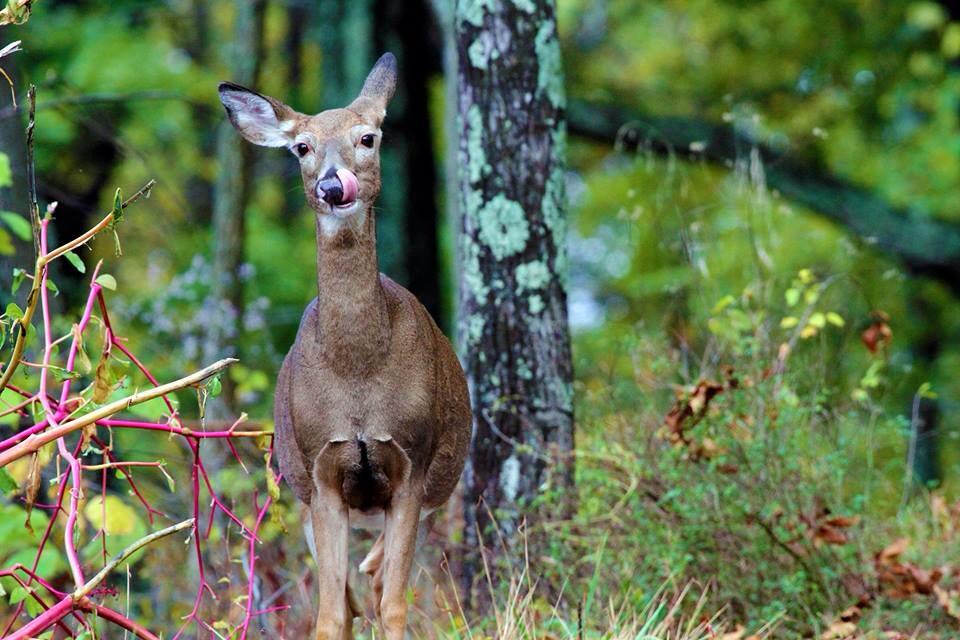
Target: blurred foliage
(679,271)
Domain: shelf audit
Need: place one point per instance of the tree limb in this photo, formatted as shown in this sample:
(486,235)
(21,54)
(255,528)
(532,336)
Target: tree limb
(925,246)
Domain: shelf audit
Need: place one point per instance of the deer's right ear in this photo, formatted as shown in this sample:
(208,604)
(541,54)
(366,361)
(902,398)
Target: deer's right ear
(258,118)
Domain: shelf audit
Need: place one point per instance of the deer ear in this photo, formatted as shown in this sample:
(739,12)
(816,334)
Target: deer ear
(260,119)
(379,85)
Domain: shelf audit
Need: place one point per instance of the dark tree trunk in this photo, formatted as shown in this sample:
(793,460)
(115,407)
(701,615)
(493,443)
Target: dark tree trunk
(13,143)
(410,183)
(513,316)
(196,33)
(231,196)
(300,16)
(924,414)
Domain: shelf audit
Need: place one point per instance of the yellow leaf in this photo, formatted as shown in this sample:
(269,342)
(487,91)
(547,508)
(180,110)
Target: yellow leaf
(789,322)
(818,320)
(120,519)
(808,332)
(950,45)
(835,319)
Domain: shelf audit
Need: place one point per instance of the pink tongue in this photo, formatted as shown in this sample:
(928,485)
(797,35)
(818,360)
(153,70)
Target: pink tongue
(350,186)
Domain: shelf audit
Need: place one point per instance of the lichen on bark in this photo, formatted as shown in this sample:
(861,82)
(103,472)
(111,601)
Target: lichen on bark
(514,329)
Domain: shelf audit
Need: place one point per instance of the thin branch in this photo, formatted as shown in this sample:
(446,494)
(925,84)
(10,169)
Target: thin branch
(34,442)
(91,584)
(31,170)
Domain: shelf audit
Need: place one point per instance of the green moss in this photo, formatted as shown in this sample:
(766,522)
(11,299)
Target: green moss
(477,53)
(523,370)
(550,72)
(473,11)
(474,328)
(472,275)
(525,5)
(476,163)
(536,304)
(503,226)
(565,393)
(532,275)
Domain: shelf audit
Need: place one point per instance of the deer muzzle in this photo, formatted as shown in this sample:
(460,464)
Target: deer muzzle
(338,188)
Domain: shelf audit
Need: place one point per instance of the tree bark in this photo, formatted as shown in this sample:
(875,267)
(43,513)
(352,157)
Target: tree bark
(513,292)
(231,196)
(925,246)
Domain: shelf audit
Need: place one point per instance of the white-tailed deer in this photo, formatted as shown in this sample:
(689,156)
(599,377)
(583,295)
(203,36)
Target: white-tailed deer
(372,411)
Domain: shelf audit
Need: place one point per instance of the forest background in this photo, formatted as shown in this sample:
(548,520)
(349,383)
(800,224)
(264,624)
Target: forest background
(763,278)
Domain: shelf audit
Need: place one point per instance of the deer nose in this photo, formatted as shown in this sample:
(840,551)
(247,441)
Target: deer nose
(338,187)
(330,189)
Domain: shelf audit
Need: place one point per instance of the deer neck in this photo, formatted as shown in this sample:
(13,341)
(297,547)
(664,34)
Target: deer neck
(352,323)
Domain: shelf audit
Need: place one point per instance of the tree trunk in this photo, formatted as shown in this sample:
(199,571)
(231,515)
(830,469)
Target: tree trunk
(513,312)
(231,195)
(16,197)
(408,29)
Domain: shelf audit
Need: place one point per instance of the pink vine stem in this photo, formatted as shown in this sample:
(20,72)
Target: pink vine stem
(55,410)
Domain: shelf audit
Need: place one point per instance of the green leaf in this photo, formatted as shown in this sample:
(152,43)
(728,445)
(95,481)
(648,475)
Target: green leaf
(926,15)
(214,386)
(18,224)
(117,214)
(723,303)
(107,281)
(19,594)
(792,296)
(13,311)
(789,322)
(7,484)
(18,276)
(926,391)
(75,261)
(53,287)
(6,176)
(818,320)
(62,374)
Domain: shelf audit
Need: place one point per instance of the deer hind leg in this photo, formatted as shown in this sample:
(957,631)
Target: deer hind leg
(372,565)
(329,520)
(400,541)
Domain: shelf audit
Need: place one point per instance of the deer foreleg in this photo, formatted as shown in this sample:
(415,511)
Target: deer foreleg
(329,519)
(399,538)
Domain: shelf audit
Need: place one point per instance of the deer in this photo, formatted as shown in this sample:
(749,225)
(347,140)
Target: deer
(372,417)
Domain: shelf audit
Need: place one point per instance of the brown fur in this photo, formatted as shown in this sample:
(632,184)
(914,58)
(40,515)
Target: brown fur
(371,410)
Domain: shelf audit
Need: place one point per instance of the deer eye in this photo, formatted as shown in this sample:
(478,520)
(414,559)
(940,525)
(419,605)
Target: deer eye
(301,149)
(367,140)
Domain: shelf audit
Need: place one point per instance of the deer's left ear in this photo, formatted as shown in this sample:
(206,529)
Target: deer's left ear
(260,119)
(378,87)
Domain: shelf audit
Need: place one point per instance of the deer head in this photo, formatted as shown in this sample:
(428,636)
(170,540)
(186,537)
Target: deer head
(338,149)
